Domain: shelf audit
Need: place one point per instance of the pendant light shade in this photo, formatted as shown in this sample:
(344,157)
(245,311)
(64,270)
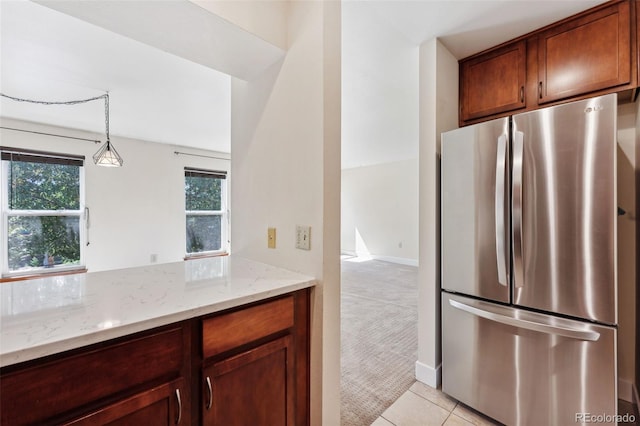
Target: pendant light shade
(107,156)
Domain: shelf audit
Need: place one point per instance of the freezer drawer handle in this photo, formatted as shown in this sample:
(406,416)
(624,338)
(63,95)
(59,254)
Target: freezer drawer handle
(528,325)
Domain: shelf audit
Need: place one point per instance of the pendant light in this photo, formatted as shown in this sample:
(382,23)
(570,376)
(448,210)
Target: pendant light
(107,156)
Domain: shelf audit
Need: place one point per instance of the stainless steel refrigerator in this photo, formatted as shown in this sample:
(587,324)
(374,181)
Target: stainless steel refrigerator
(529,282)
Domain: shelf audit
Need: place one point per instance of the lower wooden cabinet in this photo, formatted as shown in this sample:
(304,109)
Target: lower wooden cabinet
(62,388)
(246,366)
(257,383)
(161,405)
(255,364)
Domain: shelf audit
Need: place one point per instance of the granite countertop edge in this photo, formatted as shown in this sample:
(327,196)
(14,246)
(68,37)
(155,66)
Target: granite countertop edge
(117,304)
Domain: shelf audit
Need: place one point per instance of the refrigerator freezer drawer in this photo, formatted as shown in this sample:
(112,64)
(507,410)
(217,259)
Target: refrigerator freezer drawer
(526,368)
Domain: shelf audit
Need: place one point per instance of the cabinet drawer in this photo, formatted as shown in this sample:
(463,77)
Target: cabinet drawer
(44,391)
(227,331)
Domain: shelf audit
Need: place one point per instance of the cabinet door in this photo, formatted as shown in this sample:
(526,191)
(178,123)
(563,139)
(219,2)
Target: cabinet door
(252,388)
(51,389)
(493,82)
(585,54)
(162,405)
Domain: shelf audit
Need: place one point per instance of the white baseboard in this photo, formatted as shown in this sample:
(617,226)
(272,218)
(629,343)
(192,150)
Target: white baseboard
(428,375)
(398,260)
(626,390)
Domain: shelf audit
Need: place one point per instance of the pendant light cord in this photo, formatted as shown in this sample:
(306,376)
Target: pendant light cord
(80,101)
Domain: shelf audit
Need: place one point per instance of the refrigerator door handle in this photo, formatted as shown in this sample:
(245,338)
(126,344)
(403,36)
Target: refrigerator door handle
(501,163)
(572,333)
(516,197)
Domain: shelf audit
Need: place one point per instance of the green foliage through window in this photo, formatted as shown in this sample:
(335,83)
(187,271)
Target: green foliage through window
(43,215)
(202,193)
(43,241)
(204,211)
(203,233)
(42,186)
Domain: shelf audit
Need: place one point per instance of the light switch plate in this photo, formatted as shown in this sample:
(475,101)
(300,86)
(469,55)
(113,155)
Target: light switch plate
(271,238)
(303,237)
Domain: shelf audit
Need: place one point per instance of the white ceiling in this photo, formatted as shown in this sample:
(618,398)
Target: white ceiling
(167,77)
(466,27)
(166,63)
(380,75)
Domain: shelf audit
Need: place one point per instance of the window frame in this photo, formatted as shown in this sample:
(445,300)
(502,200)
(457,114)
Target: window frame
(49,158)
(223,212)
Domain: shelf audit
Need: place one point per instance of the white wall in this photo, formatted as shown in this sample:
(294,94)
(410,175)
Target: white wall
(379,89)
(136,210)
(266,19)
(285,133)
(438,113)
(380,211)
(379,137)
(626,248)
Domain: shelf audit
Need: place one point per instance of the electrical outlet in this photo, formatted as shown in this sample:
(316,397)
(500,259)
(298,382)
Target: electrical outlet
(271,238)
(303,237)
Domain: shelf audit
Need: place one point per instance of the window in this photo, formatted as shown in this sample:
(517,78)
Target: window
(42,211)
(206,212)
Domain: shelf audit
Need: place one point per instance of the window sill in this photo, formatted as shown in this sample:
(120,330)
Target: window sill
(202,256)
(41,275)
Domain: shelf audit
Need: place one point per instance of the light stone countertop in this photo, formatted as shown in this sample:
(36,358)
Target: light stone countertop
(49,315)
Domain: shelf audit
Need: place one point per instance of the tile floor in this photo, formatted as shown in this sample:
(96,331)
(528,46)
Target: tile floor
(422,405)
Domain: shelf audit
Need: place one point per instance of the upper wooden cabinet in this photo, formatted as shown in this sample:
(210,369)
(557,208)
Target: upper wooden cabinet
(586,54)
(493,83)
(589,54)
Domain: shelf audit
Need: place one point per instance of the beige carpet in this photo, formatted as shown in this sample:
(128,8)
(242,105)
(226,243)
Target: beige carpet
(379,337)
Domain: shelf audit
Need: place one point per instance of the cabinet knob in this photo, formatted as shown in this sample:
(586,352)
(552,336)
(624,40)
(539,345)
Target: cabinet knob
(209,394)
(521,94)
